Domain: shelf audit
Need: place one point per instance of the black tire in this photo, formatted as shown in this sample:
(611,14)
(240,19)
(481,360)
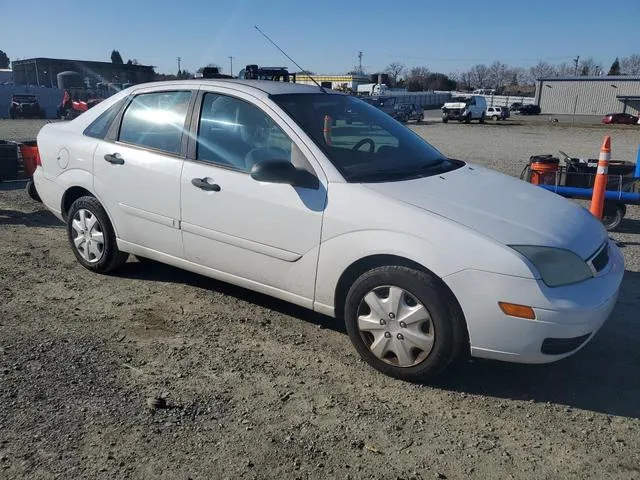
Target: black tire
(449,329)
(612,215)
(467,118)
(445,119)
(481,119)
(111,258)
(32,192)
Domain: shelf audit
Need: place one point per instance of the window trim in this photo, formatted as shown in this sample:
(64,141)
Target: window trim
(123,102)
(192,150)
(114,131)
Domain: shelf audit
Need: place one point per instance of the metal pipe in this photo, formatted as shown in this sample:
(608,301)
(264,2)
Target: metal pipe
(637,174)
(576,192)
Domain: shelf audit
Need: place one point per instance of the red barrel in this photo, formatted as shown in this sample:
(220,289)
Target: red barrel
(30,157)
(544,169)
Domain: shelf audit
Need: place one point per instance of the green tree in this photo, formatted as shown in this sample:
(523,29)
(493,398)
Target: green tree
(4,60)
(116,57)
(615,68)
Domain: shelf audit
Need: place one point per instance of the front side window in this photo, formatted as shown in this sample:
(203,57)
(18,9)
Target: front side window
(156,120)
(237,134)
(364,143)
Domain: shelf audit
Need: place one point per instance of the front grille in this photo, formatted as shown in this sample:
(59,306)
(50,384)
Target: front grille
(558,346)
(601,259)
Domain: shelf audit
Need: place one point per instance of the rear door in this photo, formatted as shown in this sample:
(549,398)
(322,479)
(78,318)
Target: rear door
(137,169)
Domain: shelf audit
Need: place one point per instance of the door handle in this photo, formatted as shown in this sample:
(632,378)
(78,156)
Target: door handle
(203,184)
(114,158)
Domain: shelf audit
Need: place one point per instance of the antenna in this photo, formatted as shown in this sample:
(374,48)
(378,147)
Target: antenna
(294,62)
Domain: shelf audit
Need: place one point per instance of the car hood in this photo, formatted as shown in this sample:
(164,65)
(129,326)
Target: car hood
(455,105)
(501,207)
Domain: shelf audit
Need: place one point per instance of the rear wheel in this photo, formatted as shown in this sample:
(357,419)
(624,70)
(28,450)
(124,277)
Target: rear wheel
(481,118)
(467,118)
(403,323)
(92,238)
(445,119)
(32,192)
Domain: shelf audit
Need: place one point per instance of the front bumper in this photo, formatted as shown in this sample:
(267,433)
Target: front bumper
(566,317)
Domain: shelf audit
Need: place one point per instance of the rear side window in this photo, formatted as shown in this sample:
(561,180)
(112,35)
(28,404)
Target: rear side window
(100,126)
(156,120)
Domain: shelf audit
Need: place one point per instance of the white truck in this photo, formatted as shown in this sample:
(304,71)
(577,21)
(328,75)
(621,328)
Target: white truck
(465,109)
(372,89)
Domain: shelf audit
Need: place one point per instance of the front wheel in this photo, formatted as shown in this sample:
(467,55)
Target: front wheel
(445,119)
(613,215)
(403,323)
(92,238)
(481,119)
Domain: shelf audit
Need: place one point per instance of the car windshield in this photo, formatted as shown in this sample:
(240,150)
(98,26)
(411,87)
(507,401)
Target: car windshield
(24,98)
(364,143)
(460,99)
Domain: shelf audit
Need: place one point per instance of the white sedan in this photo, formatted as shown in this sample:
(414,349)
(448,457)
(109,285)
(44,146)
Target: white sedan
(322,200)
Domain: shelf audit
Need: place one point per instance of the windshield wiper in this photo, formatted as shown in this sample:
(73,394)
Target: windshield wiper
(402,172)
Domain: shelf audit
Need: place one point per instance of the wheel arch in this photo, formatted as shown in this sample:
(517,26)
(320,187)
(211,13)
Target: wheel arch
(74,192)
(364,264)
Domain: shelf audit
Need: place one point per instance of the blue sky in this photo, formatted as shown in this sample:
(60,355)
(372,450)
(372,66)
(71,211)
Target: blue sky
(323,36)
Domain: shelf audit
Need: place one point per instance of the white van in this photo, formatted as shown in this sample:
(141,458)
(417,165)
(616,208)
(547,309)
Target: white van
(465,109)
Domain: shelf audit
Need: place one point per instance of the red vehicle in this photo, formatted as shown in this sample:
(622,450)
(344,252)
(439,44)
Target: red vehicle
(624,118)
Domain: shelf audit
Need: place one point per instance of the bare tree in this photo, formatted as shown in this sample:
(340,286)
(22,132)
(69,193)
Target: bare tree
(588,66)
(630,65)
(540,70)
(479,75)
(498,75)
(565,69)
(417,79)
(395,70)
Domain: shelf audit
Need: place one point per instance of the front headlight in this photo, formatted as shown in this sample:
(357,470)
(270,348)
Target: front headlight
(557,266)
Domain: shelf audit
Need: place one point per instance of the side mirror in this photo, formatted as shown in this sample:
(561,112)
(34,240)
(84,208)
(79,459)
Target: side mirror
(282,171)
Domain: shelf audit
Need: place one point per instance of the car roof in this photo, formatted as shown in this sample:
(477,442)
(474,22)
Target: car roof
(265,86)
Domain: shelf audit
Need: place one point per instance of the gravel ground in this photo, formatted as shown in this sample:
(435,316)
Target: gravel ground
(256,388)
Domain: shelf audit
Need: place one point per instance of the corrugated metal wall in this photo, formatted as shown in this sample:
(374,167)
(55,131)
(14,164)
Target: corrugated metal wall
(588,97)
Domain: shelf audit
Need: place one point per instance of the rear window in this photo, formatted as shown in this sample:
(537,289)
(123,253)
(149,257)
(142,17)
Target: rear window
(100,126)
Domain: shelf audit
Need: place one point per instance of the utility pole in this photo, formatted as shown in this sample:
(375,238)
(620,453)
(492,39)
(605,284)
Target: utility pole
(179,71)
(360,62)
(575,60)
(231,65)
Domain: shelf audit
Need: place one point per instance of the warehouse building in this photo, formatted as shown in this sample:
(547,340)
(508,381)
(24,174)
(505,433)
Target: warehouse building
(588,95)
(43,72)
(335,82)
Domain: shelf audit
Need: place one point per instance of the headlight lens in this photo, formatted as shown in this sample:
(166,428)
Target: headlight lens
(557,266)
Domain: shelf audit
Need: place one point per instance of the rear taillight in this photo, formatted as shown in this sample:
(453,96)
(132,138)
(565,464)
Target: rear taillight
(38,160)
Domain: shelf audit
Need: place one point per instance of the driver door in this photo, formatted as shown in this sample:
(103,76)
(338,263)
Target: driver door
(261,235)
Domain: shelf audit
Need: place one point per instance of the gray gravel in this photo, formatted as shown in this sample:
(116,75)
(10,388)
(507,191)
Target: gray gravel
(256,388)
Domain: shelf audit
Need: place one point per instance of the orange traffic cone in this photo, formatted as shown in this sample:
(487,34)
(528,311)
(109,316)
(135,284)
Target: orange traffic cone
(600,184)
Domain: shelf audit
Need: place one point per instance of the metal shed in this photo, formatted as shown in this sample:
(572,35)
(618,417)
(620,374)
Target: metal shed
(589,95)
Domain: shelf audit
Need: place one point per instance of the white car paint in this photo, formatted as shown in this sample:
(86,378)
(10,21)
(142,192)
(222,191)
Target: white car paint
(295,243)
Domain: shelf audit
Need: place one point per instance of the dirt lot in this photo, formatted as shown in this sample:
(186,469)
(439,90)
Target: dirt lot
(257,388)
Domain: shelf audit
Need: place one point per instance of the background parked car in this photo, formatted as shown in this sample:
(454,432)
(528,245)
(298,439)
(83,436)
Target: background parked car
(529,110)
(25,106)
(625,118)
(405,112)
(498,113)
(515,107)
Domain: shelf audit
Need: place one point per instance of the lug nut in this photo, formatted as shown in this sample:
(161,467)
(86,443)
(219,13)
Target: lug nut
(403,325)
(387,335)
(383,321)
(392,315)
(400,336)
